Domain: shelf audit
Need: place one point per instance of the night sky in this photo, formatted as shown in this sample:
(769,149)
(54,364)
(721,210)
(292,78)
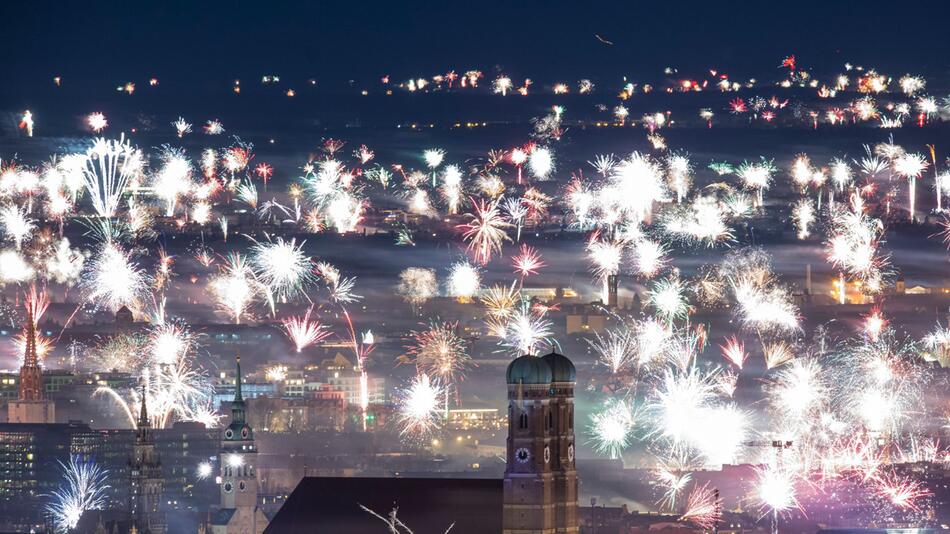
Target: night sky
(364,39)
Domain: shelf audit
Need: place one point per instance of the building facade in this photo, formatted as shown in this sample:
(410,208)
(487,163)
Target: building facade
(145,478)
(31,405)
(540,485)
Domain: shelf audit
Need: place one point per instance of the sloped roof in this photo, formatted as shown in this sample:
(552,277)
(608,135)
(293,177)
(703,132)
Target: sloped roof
(223,516)
(332,504)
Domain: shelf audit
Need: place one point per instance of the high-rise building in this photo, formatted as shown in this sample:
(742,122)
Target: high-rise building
(540,486)
(31,459)
(239,512)
(145,478)
(186,449)
(31,405)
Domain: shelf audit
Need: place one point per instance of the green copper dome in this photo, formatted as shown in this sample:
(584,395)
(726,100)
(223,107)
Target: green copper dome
(528,370)
(562,369)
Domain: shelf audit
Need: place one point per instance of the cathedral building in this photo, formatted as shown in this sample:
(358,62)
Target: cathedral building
(540,486)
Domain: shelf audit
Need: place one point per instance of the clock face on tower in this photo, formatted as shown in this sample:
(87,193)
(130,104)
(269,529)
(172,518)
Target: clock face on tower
(522,455)
(570,452)
(547,454)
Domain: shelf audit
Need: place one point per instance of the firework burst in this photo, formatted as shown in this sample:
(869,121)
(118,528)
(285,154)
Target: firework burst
(304,331)
(83,488)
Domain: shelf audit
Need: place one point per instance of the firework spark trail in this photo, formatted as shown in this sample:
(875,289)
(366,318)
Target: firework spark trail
(283,268)
(173,180)
(525,330)
(902,492)
(703,507)
(849,406)
(617,348)
(669,299)
(84,488)
(169,343)
(486,230)
(112,279)
(612,428)
(235,287)
(172,391)
(303,331)
(109,167)
(361,350)
(440,352)
(853,247)
(734,351)
(527,262)
(417,286)
(776,493)
(500,301)
(464,280)
(419,407)
(17,224)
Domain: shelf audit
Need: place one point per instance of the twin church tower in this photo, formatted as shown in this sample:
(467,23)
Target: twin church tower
(540,487)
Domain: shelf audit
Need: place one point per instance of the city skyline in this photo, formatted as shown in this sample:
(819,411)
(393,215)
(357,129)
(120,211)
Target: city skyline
(539,268)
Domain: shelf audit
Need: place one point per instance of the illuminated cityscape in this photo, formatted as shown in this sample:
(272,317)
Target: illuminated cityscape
(543,268)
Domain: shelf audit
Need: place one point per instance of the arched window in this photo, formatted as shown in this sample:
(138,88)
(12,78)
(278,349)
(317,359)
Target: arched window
(524,420)
(550,420)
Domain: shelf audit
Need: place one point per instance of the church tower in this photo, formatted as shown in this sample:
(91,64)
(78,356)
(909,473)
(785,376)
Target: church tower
(31,406)
(563,376)
(145,473)
(239,512)
(540,487)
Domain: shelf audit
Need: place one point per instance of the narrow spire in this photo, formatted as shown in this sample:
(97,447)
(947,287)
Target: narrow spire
(30,359)
(143,414)
(31,376)
(237,406)
(237,382)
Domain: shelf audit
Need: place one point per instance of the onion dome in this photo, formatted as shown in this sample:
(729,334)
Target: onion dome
(562,370)
(528,369)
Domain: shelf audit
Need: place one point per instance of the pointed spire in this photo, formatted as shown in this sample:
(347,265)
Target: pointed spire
(31,377)
(237,405)
(237,382)
(30,359)
(143,414)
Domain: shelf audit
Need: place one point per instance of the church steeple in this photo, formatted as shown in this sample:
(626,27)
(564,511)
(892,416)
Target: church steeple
(540,486)
(30,359)
(238,407)
(237,383)
(146,483)
(30,406)
(143,413)
(238,430)
(238,460)
(31,376)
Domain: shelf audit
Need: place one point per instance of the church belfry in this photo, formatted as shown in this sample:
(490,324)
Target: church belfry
(145,473)
(239,512)
(540,487)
